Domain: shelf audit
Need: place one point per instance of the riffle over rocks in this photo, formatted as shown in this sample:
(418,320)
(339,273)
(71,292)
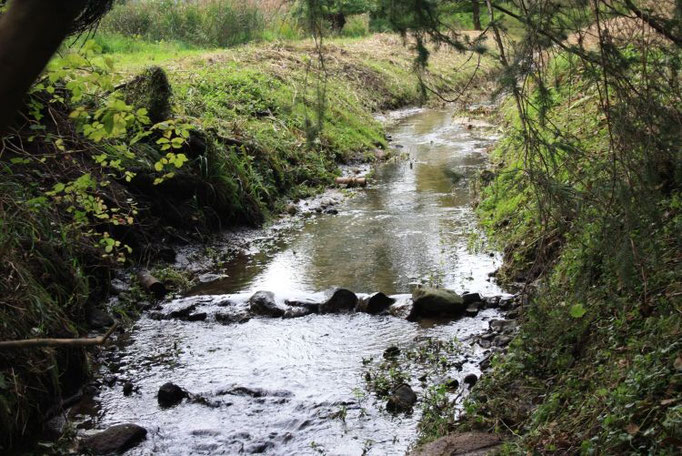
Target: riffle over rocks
(424,303)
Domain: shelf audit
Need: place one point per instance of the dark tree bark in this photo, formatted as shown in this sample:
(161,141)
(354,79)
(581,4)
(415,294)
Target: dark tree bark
(475,8)
(30,33)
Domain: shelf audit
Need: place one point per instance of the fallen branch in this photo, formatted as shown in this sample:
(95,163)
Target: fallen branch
(85,341)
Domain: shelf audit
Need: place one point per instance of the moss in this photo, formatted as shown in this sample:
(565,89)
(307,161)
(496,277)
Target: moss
(152,91)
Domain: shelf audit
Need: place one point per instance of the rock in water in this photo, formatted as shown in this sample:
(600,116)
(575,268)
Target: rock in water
(263,303)
(435,302)
(470,298)
(470,380)
(341,300)
(116,439)
(171,394)
(402,399)
(471,310)
(378,303)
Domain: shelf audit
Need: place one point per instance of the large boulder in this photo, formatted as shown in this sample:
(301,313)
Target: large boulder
(263,303)
(342,300)
(116,439)
(435,302)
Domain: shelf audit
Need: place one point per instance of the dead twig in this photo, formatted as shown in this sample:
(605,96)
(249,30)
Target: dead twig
(80,342)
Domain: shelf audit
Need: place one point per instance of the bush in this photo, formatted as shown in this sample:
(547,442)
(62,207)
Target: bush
(212,23)
(357,25)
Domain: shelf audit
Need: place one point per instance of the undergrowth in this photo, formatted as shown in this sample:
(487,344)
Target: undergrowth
(597,366)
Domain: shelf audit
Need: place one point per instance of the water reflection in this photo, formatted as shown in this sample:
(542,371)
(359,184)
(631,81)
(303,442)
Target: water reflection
(413,223)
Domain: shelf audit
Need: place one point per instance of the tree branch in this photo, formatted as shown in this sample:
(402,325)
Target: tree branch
(31,343)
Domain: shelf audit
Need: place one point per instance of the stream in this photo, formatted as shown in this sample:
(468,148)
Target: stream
(295,386)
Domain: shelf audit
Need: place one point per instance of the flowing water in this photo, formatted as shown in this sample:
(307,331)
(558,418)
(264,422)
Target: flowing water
(292,386)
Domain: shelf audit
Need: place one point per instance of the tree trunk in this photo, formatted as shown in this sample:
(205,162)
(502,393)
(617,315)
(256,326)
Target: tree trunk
(337,20)
(30,32)
(475,8)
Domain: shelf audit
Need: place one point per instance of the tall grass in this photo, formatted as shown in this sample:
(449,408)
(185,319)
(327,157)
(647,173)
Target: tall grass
(209,23)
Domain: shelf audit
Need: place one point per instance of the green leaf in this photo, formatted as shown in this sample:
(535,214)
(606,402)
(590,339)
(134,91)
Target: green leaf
(577,311)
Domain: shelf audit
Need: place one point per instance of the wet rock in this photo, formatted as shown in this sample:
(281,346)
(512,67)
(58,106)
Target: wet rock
(466,443)
(514,313)
(296,312)
(470,380)
(471,310)
(116,439)
(402,399)
(486,362)
(500,325)
(170,394)
(435,302)
(342,300)
(378,303)
(199,316)
(331,211)
(312,307)
(391,352)
(469,298)
(231,317)
(291,209)
(506,302)
(502,341)
(128,388)
(99,319)
(483,343)
(258,448)
(491,302)
(401,309)
(263,303)
(452,384)
(183,313)
(210,277)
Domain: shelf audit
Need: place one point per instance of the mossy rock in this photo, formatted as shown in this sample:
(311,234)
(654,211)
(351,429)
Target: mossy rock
(151,90)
